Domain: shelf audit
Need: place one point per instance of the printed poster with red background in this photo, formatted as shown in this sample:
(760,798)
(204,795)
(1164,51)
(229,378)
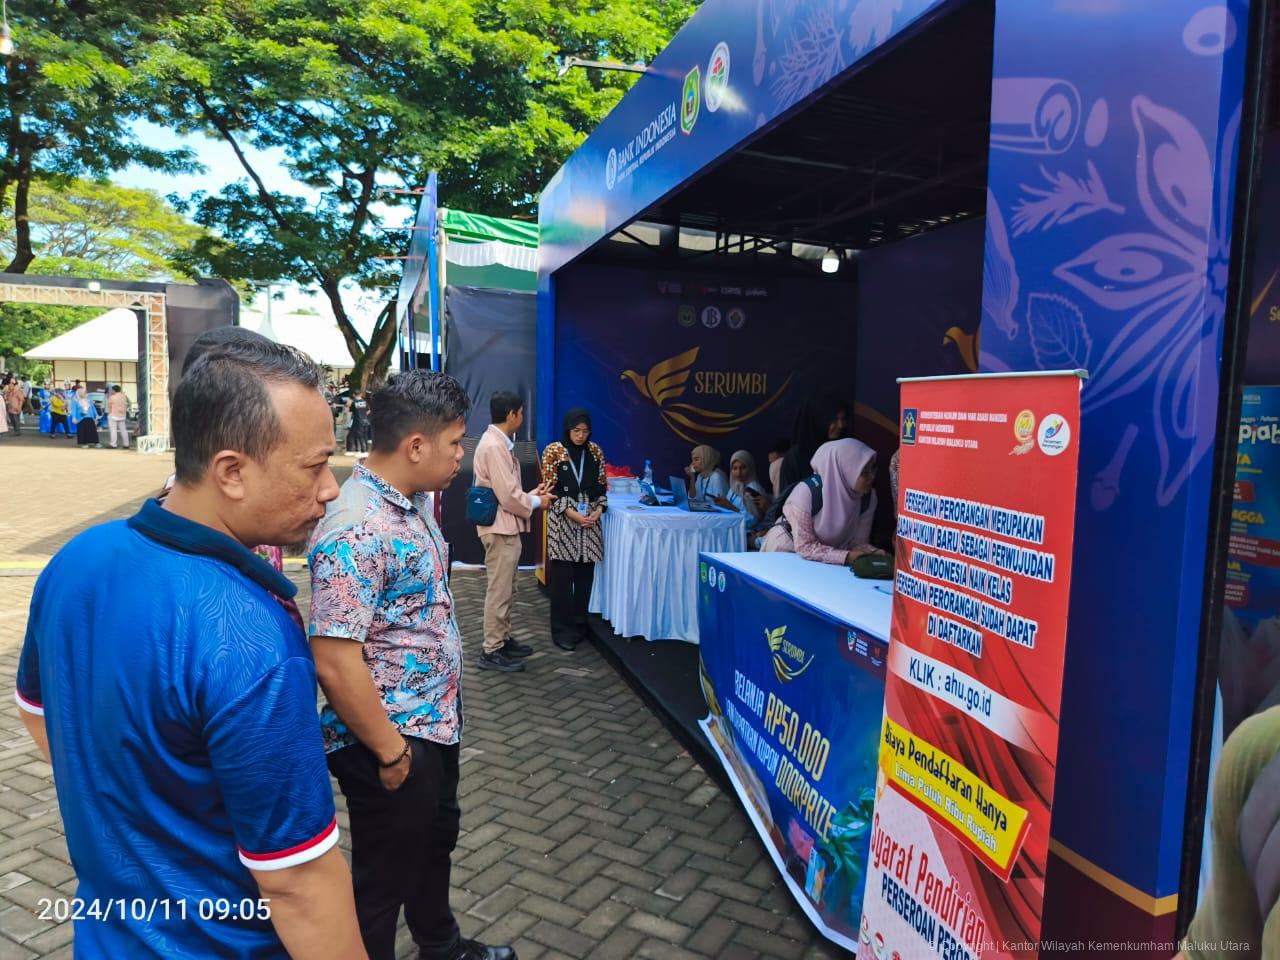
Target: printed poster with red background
(969,745)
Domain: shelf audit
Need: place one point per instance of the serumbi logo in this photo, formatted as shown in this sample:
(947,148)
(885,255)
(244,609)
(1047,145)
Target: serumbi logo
(667,381)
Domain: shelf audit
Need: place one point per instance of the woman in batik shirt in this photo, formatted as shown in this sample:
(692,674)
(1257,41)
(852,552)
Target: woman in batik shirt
(573,469)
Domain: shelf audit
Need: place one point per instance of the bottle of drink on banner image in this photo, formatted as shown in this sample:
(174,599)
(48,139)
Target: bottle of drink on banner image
(648,471)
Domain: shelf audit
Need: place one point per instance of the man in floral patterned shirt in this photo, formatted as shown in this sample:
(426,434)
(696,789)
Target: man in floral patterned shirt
(389,659)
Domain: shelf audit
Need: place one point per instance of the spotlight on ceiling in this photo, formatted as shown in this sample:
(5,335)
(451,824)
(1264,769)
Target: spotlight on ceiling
(831,260)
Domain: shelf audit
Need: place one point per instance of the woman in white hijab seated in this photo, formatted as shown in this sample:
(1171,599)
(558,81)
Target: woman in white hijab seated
(839,529)
(745,491)
(707,481)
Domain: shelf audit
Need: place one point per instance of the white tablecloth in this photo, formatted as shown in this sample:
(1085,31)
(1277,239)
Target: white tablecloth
(647,585)
(826,588)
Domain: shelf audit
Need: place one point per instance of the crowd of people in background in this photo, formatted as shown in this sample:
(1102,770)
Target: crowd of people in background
(66,411)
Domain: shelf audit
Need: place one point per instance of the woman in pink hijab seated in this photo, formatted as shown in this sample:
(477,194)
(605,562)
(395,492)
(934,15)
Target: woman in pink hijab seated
(838,532)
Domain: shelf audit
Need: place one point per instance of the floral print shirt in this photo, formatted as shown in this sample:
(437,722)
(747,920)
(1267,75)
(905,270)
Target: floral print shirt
(380,576)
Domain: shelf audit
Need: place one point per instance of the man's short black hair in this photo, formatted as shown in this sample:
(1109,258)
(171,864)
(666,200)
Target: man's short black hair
(222,402)
(504,403)
(217,337)
(416,401)
(115,388)
(780,446)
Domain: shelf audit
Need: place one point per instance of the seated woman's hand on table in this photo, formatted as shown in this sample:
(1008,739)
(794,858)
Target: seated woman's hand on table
(862,551)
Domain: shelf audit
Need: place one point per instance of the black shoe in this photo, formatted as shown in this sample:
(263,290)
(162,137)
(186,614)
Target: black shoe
(475,950)
(514,648)
(564,644)
(499,661)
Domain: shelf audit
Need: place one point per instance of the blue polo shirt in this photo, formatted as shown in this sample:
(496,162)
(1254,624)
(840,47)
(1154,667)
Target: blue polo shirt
(180,703)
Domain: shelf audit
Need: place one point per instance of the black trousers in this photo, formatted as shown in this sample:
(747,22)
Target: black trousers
(59,419)
(358,438)
(15,424)
(401,846)
(570,586)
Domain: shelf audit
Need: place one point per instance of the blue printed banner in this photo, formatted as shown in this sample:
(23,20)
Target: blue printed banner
(795,700)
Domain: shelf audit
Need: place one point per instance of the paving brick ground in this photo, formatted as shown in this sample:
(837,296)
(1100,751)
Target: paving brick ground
(587,830)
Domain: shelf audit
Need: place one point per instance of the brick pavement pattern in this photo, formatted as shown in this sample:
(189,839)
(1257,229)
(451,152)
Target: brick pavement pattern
(587,830)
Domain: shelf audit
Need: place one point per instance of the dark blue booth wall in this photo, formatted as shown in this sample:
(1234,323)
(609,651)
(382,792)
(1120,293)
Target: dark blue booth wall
(667,360)
(1263,365)
(919,308)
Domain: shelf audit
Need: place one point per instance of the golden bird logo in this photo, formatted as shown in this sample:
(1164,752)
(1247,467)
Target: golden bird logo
(781,669)
(969,346)
(665,383)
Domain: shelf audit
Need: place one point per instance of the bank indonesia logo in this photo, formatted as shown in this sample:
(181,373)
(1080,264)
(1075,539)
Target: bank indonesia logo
(717,76)
(711,317)
(611,169)
(910,421)
(690,99)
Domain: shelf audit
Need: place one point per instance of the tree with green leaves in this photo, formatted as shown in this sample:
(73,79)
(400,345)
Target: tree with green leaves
(90,228)
(95,228)
(80,73)
(365,97)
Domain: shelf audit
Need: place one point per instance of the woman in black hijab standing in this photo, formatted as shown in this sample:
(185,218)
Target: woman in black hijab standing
(573,469)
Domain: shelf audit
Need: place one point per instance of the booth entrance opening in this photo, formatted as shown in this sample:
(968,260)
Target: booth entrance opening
(1008,187)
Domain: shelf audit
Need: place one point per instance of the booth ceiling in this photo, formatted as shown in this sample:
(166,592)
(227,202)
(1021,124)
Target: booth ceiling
(897,149)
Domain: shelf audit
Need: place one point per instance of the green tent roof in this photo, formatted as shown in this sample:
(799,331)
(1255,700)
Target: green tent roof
(477,227)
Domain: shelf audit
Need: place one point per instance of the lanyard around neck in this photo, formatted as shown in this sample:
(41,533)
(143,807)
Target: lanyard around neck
(579,470)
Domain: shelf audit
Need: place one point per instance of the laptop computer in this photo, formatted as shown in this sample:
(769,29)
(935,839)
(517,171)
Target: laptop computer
(682,498)
(649,494)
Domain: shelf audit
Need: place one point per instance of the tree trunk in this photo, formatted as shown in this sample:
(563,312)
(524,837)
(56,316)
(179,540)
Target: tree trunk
(355,346)
(23,255)
(373,364)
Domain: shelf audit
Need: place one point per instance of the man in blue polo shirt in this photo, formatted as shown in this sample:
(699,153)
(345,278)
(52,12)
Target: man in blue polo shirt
(176,698)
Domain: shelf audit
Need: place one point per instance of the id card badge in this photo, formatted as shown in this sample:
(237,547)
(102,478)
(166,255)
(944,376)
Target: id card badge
(583,507)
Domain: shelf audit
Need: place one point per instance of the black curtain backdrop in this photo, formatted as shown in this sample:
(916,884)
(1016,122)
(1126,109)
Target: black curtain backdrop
(490,345)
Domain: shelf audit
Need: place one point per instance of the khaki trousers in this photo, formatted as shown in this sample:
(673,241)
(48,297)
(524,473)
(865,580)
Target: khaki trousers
(501,561)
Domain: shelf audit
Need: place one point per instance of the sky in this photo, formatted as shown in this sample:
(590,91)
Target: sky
(220,162)
(222,168)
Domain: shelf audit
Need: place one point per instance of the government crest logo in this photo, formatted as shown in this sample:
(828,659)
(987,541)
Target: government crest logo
(910,423)
(690,99)
(717,76)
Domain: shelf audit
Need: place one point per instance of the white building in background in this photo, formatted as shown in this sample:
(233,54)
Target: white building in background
(305,320)
(104,350)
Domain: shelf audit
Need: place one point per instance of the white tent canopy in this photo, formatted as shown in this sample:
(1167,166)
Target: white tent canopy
(111,336)
(316,336)
(114,336)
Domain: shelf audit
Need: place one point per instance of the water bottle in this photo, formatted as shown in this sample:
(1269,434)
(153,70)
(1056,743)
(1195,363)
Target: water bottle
(648,472)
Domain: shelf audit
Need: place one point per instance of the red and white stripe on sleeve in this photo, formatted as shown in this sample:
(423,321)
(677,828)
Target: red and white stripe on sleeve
(295,855)
(28,705)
